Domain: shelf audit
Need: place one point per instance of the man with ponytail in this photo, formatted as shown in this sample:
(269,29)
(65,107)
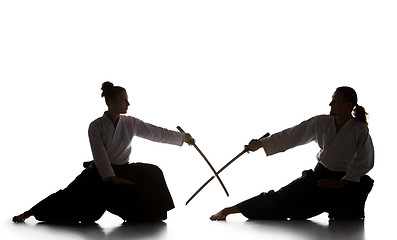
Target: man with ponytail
(350,96)
(337,185)
(134,191)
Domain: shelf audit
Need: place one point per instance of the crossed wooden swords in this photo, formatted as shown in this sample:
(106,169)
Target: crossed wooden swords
(216,173)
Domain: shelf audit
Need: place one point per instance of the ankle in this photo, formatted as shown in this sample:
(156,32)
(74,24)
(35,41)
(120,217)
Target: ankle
(230,210)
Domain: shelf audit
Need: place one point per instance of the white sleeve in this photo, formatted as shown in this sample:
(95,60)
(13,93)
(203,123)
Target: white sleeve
(290,138)
(158,134)
(99,151)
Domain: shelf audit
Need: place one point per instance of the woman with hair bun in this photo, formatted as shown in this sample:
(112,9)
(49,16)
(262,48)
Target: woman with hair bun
(134,191)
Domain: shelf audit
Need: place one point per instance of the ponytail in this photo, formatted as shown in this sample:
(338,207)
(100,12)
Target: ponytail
(360,114)
(350,95)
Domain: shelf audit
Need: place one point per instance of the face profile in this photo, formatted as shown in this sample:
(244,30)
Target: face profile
(120,103)
(339,106)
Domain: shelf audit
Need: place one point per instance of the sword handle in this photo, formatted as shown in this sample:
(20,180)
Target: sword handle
(180,129)
(264,136)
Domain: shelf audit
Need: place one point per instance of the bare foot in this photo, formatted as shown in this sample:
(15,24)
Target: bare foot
(221,215)
(22,217)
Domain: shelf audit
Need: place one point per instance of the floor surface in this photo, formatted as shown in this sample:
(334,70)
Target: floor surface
(180,225)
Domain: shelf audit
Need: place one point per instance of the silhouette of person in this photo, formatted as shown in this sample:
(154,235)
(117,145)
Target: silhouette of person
(133,191)
(337,185)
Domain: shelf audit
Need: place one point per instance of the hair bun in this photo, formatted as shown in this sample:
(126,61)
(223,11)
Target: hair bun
(107,85)
(106,88)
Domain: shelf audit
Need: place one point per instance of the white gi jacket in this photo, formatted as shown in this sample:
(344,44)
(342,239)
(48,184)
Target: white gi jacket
(112,145)
(350,150)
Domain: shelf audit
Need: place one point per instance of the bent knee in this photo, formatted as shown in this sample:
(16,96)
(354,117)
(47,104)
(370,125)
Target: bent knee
(151,169)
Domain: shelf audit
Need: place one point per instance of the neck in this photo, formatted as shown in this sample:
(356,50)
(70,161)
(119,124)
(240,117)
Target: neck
(114,117)
(340,121)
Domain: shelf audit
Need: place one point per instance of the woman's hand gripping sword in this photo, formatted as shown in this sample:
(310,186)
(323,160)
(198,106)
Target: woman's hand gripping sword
(223,168)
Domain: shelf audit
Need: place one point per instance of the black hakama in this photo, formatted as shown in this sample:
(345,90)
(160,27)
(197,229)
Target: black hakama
(88,197)
(149,199)
(83,200)
(303,198)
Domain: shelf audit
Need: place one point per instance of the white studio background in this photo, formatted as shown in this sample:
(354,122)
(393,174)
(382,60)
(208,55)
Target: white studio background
(226,71)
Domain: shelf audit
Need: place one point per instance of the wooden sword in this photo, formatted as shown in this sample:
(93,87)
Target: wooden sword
(206,160)
(223,168)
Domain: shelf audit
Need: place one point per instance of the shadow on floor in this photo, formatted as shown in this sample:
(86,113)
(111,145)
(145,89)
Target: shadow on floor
(308,230)
(252,229)
(95,231)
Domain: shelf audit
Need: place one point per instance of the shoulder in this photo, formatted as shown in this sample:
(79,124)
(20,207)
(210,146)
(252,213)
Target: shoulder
(361,132)
(96,124)
(132,123)
(96,121)
(129,119)
(323,117)
(319,122)
(359,126)
(319,119)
